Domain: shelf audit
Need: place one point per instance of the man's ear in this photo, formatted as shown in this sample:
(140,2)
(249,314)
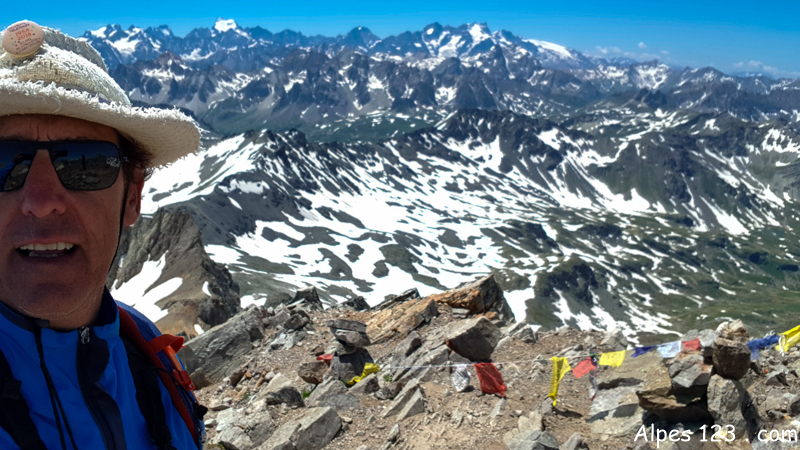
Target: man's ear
(133,203)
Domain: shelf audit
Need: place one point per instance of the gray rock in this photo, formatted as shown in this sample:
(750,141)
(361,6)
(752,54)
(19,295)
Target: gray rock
(731,358)
(733,331)
(352,338)
(295,322)
(243,429)
(389,391)
(725,402)
(337,348)
(408,345)
(366,386)
(531,422)
(221,350)
(309,297)
(474,339)
(345,324)
(414,406)
(289,395)
(400,402)
(313,431)
(313,372)
(688,371)
(277,383)
(345,367)
(575,442)
(317,428)
(394,433)
(332,393)
(533,440)
(777,376)
(614,341)
(358,303)
(460,313)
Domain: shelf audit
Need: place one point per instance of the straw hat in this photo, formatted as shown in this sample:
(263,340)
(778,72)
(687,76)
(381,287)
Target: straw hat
(43,71)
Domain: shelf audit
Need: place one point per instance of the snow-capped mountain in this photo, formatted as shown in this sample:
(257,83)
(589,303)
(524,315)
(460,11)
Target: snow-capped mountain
(619,219)
(235,79)
(603,193)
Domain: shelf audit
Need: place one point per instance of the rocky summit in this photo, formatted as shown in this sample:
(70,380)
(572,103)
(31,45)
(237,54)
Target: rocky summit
(366,389)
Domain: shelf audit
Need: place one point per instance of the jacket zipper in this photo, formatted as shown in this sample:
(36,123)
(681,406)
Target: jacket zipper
(84,336)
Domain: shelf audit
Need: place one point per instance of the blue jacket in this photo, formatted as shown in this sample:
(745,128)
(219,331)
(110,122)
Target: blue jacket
(93,381)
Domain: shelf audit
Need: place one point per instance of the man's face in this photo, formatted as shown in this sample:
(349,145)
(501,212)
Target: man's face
(62,286)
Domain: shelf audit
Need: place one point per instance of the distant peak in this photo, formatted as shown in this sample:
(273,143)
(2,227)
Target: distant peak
(223,25)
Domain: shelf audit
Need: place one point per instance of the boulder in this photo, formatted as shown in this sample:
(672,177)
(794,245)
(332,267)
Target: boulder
(474,339)
(312,372)
(391,300)
(346,367)
(401,319)
(478,297)
(332,393)
(408,345)
(221,350)
(614,341)
(725,399)
(358,303)
(733,331)
(295,322)
(731,358)
(657,396)
(368,385)
(414,406)
(575,442)
(400,402)
(244,429)
(352,338)
(533,440)
(308,297)
(615,412)
(389,391)
(313,431)
(689,371)
(287,394)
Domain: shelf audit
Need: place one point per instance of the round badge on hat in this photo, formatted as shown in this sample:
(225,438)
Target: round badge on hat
(23,38)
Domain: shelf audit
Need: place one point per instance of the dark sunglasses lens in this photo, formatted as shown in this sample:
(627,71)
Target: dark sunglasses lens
(15,163)
(86,166)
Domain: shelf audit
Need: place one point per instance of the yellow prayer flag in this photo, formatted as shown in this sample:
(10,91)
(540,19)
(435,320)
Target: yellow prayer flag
(789,339)
(560,368)
(612,359)
(368,369)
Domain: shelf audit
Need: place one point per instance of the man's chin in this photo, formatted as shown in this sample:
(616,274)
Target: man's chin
(58,305)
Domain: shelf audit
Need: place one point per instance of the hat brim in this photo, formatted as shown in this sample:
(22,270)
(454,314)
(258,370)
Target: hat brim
(167,134)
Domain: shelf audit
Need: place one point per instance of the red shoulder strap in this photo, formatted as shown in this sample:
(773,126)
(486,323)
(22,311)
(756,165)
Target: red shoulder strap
(128,328)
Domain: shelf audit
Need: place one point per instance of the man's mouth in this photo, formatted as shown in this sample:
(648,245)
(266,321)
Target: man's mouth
(47,250)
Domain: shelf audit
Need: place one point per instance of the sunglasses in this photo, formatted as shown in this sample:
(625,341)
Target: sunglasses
(80,165)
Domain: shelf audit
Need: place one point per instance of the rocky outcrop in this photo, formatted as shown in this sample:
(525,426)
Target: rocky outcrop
(401,319)
(216,353)
(483,296)
(207,295)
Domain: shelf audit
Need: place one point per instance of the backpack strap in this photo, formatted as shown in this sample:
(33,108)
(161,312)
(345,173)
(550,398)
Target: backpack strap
(129,329)
(148,396)
(15,416)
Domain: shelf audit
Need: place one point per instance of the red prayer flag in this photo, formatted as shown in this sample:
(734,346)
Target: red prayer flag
(584,367)
(326,358)
(694,344)
(491,379)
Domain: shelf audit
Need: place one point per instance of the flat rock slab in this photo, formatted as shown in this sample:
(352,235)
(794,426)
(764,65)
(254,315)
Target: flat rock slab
(345,324)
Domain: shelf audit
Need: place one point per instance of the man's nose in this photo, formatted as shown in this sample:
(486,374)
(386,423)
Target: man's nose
(42,193)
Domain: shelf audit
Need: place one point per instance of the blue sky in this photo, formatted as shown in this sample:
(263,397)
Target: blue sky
(733,36)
